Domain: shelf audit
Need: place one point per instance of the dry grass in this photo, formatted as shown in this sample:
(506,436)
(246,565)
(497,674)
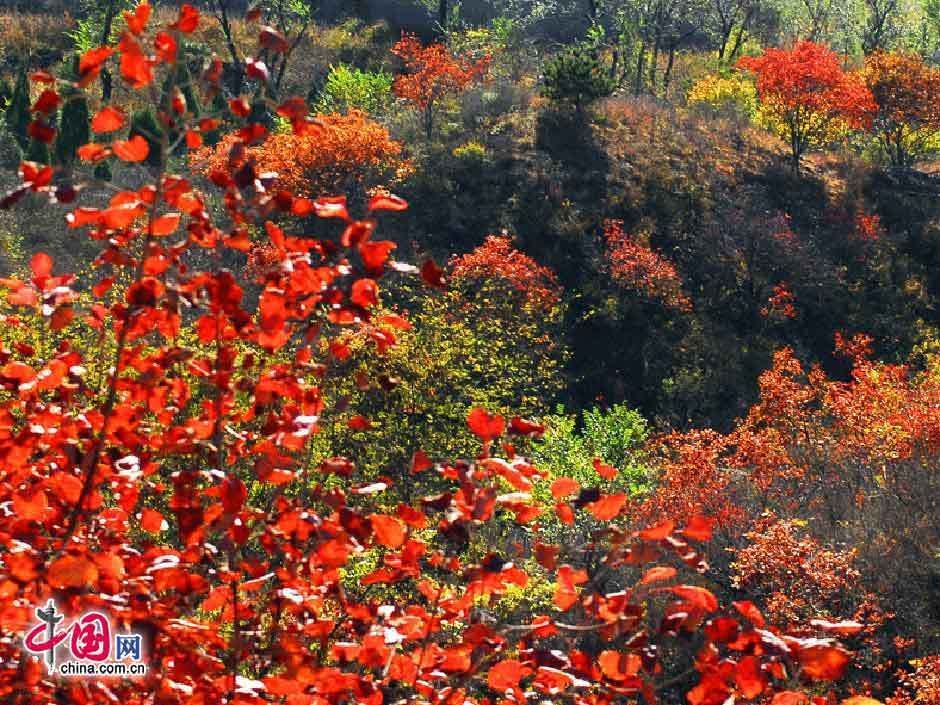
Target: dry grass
(42,36)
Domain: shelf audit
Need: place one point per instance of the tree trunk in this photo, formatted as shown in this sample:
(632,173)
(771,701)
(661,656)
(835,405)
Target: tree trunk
(668,74)
(428,121)
(638,79)
(106,82)
(443,10)
(654,62)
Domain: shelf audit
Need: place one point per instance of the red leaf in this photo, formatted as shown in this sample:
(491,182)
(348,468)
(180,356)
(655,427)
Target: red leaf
(432,274)
(41,131)
(748,677)
(750,612)
(608,472)
(93,152)
(188,19)
(696,596)
(619,666)
(565,513)
(388,530)
(72,572)
(108,119)
(506,675)
(234,493)
(41,266)
(135,67)
(375,254)
(823,662)
(658,532)
(484,425)
(37,175)
(47,102)
(607,507)
(165,46)
(358,423)
(42,77)
(699,528)
(420,462)
(387,203)
(193,139)
(566,591)
(165,224)
(89,65)
(332,207)
(564,487)
(137,20)
(658,574)
(273,40)
(240,107)
(151,520)
(365,293)
(257,70)
(525,427)
(135,149)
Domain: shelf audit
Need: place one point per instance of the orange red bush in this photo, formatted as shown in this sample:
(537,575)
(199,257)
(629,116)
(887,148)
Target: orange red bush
(337,152)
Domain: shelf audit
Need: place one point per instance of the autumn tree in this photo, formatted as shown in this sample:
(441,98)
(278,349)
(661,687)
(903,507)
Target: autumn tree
(807,95)
(906,116)
(347,150)
(635,266)
(848,461)
(431,74)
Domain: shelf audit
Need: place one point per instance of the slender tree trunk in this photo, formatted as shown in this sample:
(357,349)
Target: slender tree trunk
(654,64)
(221,9)
(725,38)
(105,36)
(443,10)
(429,121)
(638,79)
(668,75)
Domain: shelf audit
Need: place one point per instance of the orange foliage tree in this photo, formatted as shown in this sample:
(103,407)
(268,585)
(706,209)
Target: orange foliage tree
(847,461)
(497,259)
(806,95)
(635,266)
(906,113)
(336,153)
(431,73)
(159,472)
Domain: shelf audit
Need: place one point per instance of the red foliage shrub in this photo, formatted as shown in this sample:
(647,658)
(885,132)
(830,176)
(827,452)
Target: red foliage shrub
(335,152)
(637,267)
(497,259)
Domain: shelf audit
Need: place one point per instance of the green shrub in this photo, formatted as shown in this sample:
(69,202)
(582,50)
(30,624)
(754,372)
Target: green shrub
(348,88)
(577,77)
(615,436)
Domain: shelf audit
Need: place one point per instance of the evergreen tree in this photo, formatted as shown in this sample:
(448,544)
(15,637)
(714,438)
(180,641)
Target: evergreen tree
(16,118)
(38,152)
(74,130)
(577,77)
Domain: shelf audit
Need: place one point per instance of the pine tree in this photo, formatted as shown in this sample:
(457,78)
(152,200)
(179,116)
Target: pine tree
(74,130)
(17,113)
